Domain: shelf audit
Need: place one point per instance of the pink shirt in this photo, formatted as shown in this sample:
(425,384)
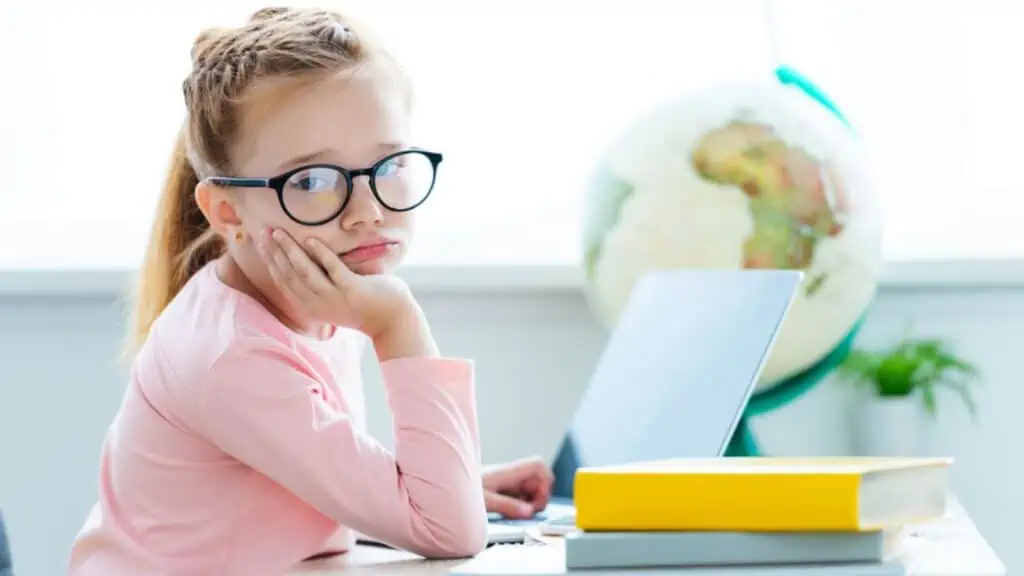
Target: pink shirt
(239,449)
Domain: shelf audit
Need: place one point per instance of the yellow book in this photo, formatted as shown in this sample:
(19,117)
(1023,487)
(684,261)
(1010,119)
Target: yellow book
(762,494)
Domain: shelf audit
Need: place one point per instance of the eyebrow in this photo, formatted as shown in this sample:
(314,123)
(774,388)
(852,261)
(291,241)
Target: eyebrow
(388,147)
(383,148)
(305,159)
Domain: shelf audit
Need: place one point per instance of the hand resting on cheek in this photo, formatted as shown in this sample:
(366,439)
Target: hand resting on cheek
(316,281)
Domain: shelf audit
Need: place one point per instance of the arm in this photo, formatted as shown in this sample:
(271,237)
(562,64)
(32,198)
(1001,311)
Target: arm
(261,405)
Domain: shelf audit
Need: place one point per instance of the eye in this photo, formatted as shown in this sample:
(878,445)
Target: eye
(314,180)
(390,168)
(310,183)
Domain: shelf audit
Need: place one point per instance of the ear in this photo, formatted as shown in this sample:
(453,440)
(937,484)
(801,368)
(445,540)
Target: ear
(218,206)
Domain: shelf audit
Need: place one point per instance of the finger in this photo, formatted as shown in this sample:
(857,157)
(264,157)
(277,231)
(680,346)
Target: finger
(305,271)
(537,466)
(336,270)
(534,467)
(537,482)
(281,271)
(512,474)
(288,278)
(548,475)
(537,491)
(507,506)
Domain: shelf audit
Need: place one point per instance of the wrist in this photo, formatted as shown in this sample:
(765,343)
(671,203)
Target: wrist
(408,335)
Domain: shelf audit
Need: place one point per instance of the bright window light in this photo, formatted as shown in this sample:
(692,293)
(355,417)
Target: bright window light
(521,97)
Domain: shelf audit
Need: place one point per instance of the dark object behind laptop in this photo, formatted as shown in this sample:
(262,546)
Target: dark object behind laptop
(6,567)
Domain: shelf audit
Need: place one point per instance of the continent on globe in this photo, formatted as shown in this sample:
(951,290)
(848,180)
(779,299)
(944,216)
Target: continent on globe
(795,200)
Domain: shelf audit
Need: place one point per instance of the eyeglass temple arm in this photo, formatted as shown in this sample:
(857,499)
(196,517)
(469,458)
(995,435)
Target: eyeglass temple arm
(239,182)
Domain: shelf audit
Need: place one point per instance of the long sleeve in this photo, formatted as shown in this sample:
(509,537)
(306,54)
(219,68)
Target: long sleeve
(264,407)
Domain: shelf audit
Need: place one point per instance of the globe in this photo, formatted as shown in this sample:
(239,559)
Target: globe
(743,176)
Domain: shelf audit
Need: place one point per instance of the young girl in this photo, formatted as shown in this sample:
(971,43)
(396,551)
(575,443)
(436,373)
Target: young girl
(239,448)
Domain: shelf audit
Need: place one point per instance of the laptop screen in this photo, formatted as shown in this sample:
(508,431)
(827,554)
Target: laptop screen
(678,369)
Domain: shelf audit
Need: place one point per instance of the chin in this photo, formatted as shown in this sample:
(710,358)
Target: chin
(374,267)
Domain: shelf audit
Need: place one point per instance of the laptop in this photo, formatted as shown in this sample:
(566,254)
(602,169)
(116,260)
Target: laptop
(674,378)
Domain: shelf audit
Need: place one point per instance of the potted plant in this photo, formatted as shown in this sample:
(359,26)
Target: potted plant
(899,388)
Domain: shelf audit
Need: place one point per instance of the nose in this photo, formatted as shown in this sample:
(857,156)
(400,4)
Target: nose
(363,208)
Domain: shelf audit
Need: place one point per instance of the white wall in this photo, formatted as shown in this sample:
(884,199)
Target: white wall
(60,385)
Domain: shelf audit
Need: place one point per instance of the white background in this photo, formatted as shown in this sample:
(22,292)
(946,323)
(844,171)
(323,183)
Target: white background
(521,97)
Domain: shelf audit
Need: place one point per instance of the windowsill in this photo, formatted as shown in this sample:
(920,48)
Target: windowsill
(112,282)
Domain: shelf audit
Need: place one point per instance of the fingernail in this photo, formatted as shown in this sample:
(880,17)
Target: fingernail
(526,509)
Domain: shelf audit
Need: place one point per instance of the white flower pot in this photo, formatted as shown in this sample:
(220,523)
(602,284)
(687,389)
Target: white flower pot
(892,426)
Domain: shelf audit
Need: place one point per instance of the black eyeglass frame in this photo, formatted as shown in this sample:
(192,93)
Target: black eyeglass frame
(276,183)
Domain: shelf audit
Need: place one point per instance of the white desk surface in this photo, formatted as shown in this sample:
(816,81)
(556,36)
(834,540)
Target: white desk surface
(951,546)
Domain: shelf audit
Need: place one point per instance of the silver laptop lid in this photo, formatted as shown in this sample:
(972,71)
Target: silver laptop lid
(681,365)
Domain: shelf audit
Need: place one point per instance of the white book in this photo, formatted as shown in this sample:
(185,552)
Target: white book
(524,560)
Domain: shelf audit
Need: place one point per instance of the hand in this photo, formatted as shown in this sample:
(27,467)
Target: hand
(324,289)
(518,489)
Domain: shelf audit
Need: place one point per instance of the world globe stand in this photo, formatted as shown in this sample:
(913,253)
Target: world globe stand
(743,442)
(790,77)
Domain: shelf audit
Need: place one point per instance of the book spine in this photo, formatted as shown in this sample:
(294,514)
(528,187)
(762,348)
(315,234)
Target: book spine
(651,550)
(726,502)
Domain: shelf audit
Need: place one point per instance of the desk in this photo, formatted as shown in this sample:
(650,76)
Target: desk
(950,546)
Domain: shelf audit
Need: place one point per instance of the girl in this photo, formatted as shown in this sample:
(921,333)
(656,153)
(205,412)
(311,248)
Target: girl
(239,448)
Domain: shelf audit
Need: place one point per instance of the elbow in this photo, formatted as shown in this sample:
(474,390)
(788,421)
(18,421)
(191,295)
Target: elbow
(460,538)
(470,540)
(467,535)
(464,546)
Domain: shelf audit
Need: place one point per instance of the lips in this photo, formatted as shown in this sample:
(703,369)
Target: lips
(369,245)
(368,251)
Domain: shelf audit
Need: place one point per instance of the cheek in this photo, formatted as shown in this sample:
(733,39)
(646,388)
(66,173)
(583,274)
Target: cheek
(302,233)
(400,221)
(261,210)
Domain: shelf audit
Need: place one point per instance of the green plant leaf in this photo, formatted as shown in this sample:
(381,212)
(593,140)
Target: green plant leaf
(912,365)
(963,390)
(859,365)
(928,398)
(943,358)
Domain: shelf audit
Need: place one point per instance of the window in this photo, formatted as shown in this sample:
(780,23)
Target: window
(521,97)
(932,86)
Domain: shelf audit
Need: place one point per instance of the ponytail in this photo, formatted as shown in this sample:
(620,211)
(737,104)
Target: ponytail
(180,244)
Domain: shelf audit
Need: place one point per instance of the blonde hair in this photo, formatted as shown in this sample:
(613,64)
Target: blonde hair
(275,44)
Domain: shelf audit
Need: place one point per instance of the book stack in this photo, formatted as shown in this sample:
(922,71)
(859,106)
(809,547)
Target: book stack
(754,515)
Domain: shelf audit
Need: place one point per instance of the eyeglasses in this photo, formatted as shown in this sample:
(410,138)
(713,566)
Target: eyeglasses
(318,193)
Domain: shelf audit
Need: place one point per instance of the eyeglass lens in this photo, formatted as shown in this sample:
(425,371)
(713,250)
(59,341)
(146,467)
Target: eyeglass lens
(316,194)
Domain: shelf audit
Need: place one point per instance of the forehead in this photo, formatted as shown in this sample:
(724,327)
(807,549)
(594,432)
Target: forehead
(343,119)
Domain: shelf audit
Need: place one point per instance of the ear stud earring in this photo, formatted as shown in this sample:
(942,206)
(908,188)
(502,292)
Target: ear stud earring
(239,235)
